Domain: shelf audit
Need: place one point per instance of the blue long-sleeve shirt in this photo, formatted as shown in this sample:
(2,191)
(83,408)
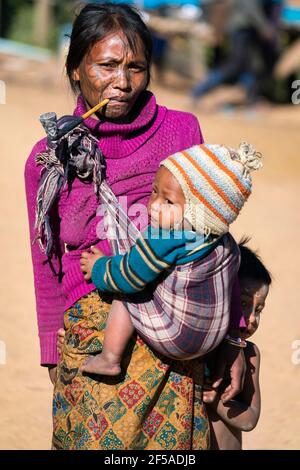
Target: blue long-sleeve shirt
(154,252)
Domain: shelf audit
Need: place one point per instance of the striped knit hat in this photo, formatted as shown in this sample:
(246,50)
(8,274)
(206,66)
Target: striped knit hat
(216,182)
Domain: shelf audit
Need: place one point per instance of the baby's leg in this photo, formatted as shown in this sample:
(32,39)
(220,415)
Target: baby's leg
(117,334)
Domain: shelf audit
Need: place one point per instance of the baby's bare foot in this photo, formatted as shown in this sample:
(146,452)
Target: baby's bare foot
(101,365)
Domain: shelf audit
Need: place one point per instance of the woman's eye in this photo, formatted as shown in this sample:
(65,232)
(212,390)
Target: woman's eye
(137,68)
(107,66)
(169,202)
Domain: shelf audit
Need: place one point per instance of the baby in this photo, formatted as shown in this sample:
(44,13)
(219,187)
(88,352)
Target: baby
(227,421)
(196,195)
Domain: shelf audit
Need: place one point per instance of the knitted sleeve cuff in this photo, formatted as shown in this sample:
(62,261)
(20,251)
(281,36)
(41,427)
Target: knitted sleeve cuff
(98,275)
(48,345)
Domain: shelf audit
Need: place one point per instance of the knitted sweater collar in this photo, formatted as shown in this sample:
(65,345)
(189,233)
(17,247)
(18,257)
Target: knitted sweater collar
(122,139)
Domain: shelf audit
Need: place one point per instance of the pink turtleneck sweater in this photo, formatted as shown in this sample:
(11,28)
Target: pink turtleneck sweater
(133,152)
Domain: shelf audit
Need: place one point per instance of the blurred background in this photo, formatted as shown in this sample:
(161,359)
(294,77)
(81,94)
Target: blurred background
(236,65)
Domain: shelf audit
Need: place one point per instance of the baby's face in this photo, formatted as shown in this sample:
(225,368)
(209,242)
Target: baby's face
(166,203)
(253,297)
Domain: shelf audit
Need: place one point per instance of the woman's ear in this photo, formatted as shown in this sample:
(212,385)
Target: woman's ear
(75,75)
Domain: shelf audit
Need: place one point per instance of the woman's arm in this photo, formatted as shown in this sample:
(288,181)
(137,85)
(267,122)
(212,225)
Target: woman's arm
(243,414)
(47,273)
(197,136)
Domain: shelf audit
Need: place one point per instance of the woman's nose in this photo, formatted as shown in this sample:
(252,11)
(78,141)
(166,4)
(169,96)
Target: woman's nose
(122,80)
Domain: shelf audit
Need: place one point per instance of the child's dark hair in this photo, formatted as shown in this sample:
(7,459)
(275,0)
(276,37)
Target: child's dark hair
(96,21)
(251,266)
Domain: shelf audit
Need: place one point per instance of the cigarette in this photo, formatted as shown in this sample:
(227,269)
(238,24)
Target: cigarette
(95,108)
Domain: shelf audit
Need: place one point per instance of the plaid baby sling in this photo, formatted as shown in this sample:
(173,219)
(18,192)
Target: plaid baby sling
(186,313)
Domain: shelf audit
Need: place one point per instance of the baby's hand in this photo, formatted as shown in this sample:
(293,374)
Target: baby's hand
(88,260)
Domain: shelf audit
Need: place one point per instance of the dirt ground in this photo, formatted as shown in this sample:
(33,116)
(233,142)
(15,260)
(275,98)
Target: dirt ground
(271,218)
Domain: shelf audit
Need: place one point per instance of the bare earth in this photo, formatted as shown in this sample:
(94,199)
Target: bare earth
(271,217)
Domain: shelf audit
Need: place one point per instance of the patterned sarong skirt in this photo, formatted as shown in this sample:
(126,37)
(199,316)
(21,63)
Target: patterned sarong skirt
(155,404)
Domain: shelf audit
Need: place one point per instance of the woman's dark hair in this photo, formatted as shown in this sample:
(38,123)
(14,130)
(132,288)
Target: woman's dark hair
(251,266)
(94,22)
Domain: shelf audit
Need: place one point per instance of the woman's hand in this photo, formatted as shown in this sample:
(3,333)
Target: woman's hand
(52,374)
(59,344)
(60,340)
(88,260)
(209,394)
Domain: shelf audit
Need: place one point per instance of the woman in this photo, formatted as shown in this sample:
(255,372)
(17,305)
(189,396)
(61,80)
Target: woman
(157,404)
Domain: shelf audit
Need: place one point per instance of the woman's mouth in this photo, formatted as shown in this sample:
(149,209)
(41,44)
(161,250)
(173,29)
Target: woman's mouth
(118,100)
(115,103)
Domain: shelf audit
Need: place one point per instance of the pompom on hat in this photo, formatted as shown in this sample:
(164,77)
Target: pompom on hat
(216,182)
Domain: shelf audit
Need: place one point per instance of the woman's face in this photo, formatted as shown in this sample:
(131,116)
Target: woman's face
(112,70)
